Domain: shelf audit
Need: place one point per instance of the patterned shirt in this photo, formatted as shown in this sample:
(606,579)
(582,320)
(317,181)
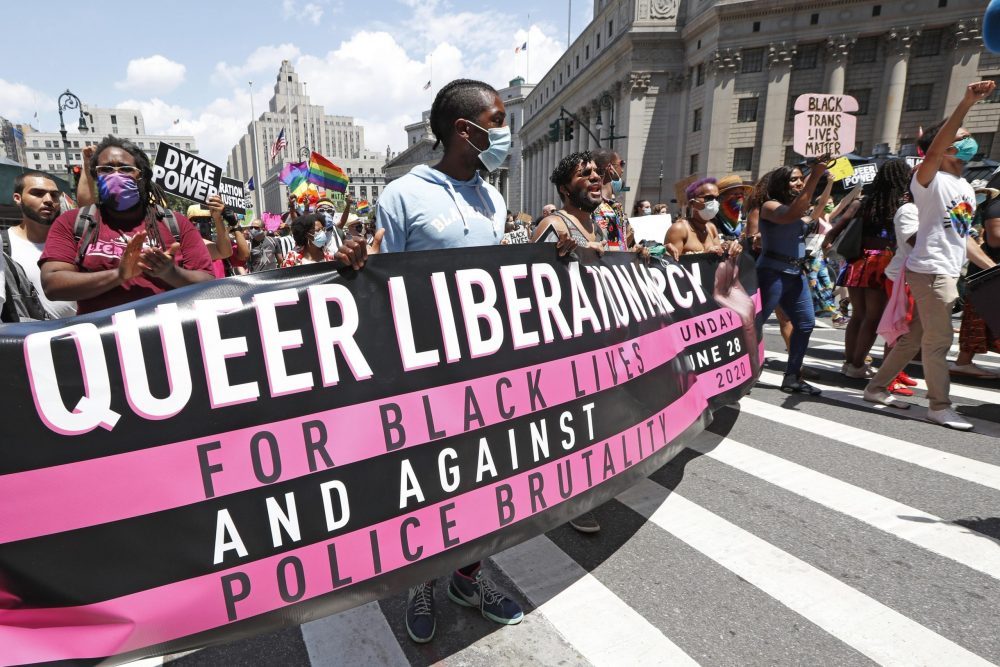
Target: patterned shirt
(611,218)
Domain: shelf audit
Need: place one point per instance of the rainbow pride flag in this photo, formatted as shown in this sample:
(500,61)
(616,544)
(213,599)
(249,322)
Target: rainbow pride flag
(326,174)
(363,207)
(291,170)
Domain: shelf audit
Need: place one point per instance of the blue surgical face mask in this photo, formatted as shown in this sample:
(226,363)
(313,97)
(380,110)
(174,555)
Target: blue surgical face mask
(320,238)
(967,148)
(617,182)
(499,147)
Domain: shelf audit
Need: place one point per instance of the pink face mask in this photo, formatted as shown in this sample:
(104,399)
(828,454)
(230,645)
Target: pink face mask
(117,191)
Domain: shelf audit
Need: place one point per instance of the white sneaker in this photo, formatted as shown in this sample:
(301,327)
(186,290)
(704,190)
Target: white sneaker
(883,397)
(948,418)
(856,372)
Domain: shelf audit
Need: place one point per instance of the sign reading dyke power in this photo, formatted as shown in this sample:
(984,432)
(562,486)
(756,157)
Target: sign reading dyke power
(824,124)
(263,450)
(185,174)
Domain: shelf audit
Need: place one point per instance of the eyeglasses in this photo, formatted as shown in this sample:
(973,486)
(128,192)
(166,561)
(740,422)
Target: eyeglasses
(126,169)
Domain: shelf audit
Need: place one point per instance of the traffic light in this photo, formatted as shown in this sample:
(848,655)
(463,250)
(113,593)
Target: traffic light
(568,129)
(76,175)
(554,131)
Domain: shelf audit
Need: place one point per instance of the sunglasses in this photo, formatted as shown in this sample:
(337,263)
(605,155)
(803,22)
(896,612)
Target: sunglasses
(126,169)
(707,198)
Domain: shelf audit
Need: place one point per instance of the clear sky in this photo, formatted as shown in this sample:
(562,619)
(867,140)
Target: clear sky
(191,61)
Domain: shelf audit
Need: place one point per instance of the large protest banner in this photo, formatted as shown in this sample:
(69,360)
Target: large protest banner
(259,451)
(185,174)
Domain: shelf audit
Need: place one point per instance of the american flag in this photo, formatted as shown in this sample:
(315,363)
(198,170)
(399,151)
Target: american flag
(279,144)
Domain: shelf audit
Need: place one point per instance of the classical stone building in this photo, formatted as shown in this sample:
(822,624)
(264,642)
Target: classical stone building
(707,86)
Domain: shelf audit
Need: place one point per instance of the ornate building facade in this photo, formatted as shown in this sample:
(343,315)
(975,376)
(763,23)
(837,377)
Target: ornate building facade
(706,87)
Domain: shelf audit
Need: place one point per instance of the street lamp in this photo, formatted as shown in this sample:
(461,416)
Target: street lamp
(606,101)
(304,152)
(69,101)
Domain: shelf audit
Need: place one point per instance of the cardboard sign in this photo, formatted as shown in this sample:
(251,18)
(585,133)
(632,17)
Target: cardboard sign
(524,217)
(651,227)
(517,237)
(841,169)
(824,124)
(185,174)
(234,195)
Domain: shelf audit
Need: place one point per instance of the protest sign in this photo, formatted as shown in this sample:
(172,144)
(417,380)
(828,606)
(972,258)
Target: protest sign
(824,124)
(840,169)
(185,174)
(651,227)
(234,194)
(190,478)
(863,175)
(516,237)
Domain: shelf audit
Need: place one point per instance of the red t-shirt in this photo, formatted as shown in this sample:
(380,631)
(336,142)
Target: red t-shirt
(61,246)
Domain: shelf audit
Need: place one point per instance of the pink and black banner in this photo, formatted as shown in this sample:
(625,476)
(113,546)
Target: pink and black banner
(260,451)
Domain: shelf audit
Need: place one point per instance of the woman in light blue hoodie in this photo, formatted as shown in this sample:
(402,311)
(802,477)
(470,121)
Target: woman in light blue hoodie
(449,205)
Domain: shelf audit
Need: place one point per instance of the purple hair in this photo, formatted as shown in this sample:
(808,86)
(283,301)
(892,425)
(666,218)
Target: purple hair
(693,188)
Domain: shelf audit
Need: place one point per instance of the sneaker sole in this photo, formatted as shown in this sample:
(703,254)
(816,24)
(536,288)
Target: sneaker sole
(418,640)
(899,405)
(590,530)
(964,429)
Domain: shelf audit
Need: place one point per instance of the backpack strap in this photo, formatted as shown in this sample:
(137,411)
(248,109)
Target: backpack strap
(85,230)
(5,236)
(168,217)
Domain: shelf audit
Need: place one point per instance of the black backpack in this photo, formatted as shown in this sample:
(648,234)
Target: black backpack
(21,301)
(88,220)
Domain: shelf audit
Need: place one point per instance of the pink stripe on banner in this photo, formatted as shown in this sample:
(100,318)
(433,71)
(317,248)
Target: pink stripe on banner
(724,378)
(195,605)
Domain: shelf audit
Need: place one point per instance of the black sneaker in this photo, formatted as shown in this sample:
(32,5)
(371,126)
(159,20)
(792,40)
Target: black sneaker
(480,592)
(792,384)
(586,523)
(420,621)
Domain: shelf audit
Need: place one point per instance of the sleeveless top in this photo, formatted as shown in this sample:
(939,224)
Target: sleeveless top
(787,240)
(551,234)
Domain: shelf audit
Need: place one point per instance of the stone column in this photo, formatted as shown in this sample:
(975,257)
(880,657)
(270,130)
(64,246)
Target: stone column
(779,62)
(966,44)
(633,119)
(716,156)
(837,49)
(897,44)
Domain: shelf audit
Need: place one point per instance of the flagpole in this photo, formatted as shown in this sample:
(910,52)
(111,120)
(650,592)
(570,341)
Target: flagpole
(257,185)
(569,21)
(527,40)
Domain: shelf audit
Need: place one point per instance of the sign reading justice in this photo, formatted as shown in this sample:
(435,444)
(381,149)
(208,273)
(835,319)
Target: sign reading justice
(824,124)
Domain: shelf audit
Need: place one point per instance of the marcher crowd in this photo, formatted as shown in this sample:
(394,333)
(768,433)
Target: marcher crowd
(887,262)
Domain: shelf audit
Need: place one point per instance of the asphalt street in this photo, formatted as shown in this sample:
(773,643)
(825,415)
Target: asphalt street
(795,531)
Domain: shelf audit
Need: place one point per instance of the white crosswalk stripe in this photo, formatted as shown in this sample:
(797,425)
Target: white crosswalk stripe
(879,632)
(607,611)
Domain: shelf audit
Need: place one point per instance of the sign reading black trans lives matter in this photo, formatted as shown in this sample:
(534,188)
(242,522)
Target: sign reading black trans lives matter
(263,450)
(185,174)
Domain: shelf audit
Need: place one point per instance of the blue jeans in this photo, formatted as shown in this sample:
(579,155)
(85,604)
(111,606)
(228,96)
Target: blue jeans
(791,292)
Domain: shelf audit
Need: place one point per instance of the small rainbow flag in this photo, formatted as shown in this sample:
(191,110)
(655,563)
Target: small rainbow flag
(363,207)
(326,174)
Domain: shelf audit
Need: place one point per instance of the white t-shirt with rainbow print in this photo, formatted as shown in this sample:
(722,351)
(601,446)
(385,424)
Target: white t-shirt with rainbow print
(946,207)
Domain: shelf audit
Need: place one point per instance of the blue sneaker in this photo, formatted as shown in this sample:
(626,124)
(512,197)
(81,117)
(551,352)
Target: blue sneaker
(481,592)
(420,621)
